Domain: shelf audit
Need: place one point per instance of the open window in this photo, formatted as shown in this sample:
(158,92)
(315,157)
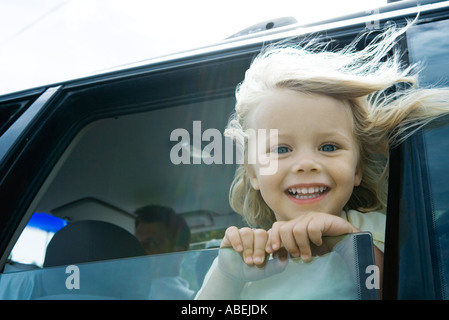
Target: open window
(173,156)
(115,166)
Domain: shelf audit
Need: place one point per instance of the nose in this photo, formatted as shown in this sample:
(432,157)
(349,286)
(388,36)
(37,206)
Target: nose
(305,162)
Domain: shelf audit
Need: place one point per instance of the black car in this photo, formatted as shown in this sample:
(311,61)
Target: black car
(78,158)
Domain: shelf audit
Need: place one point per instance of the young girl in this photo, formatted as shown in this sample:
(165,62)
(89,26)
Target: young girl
(336,116)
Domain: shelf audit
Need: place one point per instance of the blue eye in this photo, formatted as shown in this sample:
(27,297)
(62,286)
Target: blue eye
(328,148)
(281,149)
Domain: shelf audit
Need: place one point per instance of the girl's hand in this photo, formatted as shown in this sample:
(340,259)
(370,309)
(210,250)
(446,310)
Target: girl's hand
(296,235)
(249,242)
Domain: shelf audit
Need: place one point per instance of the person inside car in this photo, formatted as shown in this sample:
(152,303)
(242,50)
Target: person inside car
(160,230)
(330,118)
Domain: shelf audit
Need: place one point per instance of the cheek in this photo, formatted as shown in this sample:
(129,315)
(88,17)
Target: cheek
(269,188)
(346,177)
(253,177)
(350,171)
(272,200)
(358,176)
(266,184)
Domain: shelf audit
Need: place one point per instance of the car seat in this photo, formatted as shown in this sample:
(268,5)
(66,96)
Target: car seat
(91,240)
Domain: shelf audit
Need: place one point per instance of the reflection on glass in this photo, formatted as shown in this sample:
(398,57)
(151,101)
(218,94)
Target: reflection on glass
(428,44)
(338,274)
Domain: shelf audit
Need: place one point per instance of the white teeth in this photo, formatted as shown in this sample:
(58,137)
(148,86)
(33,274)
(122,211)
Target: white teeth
(307,191)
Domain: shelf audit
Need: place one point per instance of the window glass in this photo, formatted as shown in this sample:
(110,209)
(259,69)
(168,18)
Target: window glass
(31,246)
(343,270)
(155,161)
(428,44)
(343,273)
(137,195)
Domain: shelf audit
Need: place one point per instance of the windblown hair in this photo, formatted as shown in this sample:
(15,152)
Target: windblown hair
(386,103)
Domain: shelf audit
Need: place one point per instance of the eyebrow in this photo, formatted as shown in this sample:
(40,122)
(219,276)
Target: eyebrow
(326,135)
(334,133)
(323,133)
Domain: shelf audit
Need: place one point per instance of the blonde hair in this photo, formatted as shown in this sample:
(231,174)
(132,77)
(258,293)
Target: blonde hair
(362,79)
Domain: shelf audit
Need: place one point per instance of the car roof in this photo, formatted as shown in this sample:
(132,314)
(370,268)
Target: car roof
(287,29)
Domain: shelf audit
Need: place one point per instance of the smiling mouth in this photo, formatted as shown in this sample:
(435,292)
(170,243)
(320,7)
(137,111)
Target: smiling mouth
(303,193)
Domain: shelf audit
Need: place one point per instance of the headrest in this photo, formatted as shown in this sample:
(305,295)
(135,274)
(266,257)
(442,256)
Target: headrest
(89,240)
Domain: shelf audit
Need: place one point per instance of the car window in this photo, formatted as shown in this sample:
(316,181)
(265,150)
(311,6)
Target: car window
(96,212)
(429,46)
(346,272)
(29,250)
(343,270)
(117,165)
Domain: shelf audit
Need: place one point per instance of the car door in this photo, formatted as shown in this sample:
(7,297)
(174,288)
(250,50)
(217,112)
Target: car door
(99,148)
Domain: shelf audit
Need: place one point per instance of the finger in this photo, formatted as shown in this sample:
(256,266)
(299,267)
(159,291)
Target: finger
(302,241)
(247,236)
(335,226)
(260,242)
(232,239)
(288,240)
(274,238)
(315,232)
(268,246)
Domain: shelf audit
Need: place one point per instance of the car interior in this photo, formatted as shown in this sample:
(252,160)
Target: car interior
(117,165)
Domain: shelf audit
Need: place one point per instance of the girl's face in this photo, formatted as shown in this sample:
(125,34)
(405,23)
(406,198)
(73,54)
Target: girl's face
(316,154)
